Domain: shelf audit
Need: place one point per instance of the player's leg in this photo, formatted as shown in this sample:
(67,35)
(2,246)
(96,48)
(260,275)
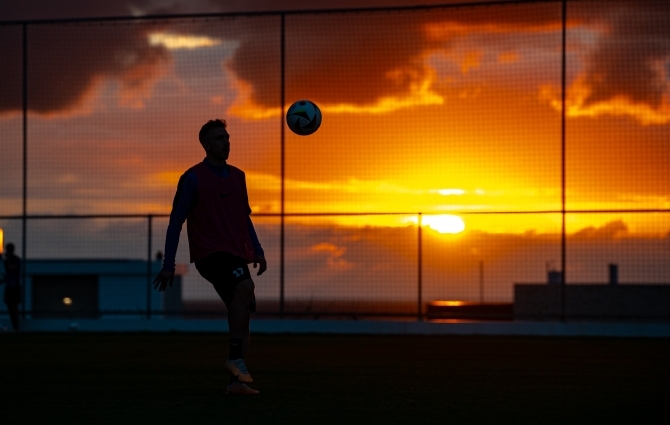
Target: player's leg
(239,314)
(226,273)
(14,315)
(12,299)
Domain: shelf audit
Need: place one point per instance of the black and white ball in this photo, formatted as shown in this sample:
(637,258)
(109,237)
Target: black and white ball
(303,117)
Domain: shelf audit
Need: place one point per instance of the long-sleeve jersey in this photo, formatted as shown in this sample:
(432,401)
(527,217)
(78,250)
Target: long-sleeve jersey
(185,200)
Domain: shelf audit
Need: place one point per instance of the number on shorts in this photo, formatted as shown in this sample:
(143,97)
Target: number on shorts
(239,272)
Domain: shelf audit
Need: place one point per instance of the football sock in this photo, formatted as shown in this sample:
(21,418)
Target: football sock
(235,345)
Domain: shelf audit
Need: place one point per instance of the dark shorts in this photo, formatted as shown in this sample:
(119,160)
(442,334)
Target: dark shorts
(224,271)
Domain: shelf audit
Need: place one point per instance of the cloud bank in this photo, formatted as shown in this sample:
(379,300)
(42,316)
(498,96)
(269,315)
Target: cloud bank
(354,62)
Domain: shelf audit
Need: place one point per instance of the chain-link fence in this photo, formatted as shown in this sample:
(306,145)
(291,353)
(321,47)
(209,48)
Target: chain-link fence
(463,150)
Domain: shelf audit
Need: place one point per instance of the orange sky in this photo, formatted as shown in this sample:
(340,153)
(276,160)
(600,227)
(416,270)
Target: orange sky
(437,112)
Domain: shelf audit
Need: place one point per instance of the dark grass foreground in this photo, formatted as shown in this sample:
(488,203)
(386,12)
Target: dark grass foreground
(179,378)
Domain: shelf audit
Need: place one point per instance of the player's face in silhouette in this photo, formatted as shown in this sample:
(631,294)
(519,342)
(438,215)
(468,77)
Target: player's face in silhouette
(217,144)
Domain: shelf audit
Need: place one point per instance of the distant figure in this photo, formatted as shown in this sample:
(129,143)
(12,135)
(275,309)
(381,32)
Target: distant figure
(212,196)
(12,283)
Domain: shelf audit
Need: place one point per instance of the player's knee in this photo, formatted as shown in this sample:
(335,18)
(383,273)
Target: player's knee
(245,290)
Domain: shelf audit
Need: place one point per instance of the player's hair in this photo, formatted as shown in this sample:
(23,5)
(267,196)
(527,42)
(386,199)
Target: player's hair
(211,124)
(10,247)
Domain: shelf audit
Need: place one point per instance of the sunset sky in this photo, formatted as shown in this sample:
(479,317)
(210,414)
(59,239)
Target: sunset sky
(439,111)
(436,111)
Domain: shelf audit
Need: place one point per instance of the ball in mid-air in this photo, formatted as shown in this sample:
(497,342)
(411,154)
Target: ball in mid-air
(303,117)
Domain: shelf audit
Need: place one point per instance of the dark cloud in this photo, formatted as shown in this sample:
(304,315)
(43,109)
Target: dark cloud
(66,9)
(63,9)
(354,58)
(66,61)
(336,58)
(331,57)
(361,57)
(632,56)
(11,69)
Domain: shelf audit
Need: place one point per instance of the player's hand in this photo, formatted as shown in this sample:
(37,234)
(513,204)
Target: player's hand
(164,278)
(263,265)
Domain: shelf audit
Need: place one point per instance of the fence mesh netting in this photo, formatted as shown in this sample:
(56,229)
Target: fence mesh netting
(448,117)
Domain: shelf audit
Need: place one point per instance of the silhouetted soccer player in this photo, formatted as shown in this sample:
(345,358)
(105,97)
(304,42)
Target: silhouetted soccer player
(212,198)
(12,282)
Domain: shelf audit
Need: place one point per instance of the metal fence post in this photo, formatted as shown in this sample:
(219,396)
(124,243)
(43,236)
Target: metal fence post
(149,276)
(563,168)
(282,166)
(481,282)
(24,240)
(420,277)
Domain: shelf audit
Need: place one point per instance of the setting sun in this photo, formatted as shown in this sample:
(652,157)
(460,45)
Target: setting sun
(441,223)
(444,223)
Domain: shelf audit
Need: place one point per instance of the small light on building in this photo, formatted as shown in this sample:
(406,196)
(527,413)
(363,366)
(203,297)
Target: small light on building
(2,241)
(67,301)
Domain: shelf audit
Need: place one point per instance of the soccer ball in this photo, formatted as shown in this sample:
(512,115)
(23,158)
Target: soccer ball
(303,117)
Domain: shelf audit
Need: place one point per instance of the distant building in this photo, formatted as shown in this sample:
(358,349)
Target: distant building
(84,288)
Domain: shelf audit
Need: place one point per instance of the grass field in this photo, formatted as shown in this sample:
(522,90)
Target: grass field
(316,379)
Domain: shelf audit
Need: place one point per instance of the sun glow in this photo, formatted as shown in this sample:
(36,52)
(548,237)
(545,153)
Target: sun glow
(441,223)
(444,223)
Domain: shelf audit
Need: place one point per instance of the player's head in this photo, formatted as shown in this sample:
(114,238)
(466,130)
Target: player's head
(215,139)
(209,125)
(9,248)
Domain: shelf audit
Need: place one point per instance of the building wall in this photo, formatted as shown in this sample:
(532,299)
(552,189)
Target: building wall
(123,285)
(592,302)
